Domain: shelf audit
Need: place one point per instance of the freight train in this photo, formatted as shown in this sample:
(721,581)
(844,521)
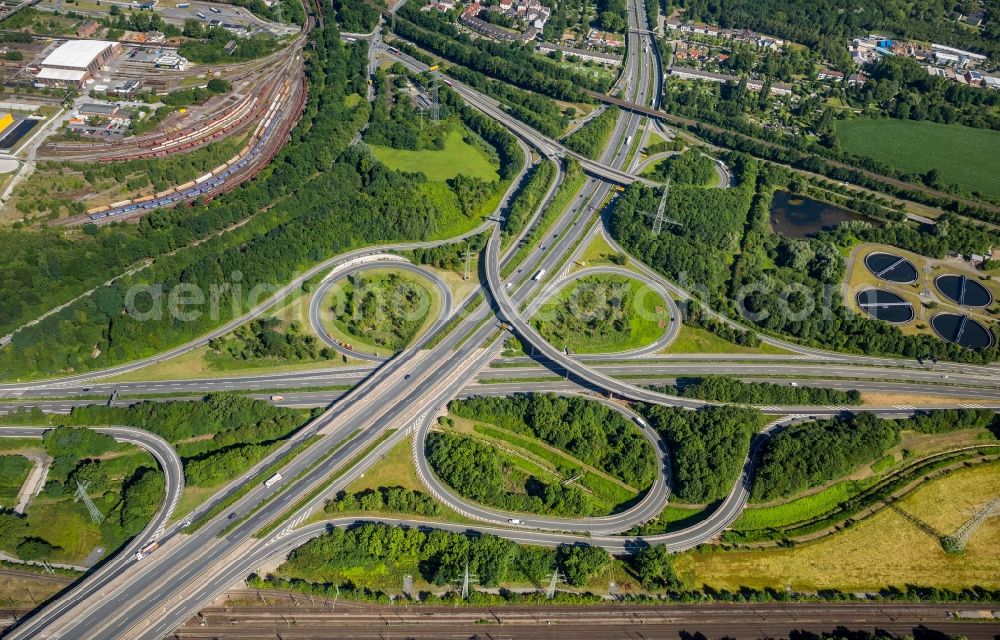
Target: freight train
(211,181)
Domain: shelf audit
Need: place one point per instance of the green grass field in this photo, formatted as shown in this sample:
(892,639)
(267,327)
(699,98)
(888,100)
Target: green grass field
(800,509)
(697,340)
(965,156)
(603,314)
(457,157)
(14,471)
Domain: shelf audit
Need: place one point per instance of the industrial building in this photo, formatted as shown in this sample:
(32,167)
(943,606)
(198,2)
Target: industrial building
(74,62)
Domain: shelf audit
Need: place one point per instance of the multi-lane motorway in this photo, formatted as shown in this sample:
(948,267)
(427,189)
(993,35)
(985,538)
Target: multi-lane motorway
(391,399)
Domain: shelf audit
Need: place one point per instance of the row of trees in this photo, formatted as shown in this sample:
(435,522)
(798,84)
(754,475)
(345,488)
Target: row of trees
(541,112)
(811,454)
(438,556)
(591,138)
(697,317)
(725,389)
(513,63)
(528,198)
(590,431)
(390,499)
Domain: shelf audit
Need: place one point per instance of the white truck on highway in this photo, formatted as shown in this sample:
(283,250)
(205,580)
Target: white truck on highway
(539,275)
(148,549)
(273,480)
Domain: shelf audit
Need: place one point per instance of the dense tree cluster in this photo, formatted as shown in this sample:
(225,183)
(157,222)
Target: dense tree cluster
(196,95)
(528,198)
(808,455)
(450,256)
(513,63)
(260,339)
(710,223)
(587,430)
(707,447)
(391,499)
(319,197)
(209,48)
(903,89)
(356,17)
(592,137)
(439,556)
(385,310)
(948,420)
(77,443)
(726,389)
(474,470)
(690,167)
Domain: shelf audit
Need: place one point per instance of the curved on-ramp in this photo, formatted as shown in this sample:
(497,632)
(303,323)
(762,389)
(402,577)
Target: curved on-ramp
(382,261)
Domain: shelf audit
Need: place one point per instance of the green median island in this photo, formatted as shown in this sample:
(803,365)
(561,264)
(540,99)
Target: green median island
(542,454)
(381,310)
(603,314)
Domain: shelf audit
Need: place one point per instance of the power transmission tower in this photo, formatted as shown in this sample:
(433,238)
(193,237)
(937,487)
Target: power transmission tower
(661,211)
(81,494)
(956,542)
(553,581)
(435,102)
(466,259)
(465,583)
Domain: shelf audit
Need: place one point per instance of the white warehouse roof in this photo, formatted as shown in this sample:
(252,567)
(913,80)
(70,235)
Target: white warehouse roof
(75,75)
(76,54)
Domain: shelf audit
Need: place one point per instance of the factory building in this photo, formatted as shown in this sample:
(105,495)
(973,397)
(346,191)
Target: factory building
(74,62)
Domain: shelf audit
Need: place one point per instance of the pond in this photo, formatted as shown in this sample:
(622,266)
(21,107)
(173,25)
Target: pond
(796,216)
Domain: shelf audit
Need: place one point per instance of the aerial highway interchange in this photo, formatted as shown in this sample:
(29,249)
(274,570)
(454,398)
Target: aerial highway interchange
(390,398)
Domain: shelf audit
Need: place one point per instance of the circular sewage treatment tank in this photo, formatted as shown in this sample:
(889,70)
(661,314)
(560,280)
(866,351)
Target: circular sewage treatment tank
(889,266)
(962,330)
(885,306)
(963,291)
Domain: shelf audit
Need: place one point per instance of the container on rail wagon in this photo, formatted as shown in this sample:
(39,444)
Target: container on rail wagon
(115,205)
(273,480)
(95,210)
(185,186)
(148,549)
(143,199)
(538,276)
(203,178)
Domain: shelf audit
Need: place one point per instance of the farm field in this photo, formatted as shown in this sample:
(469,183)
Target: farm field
(965,156)
(887,549)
